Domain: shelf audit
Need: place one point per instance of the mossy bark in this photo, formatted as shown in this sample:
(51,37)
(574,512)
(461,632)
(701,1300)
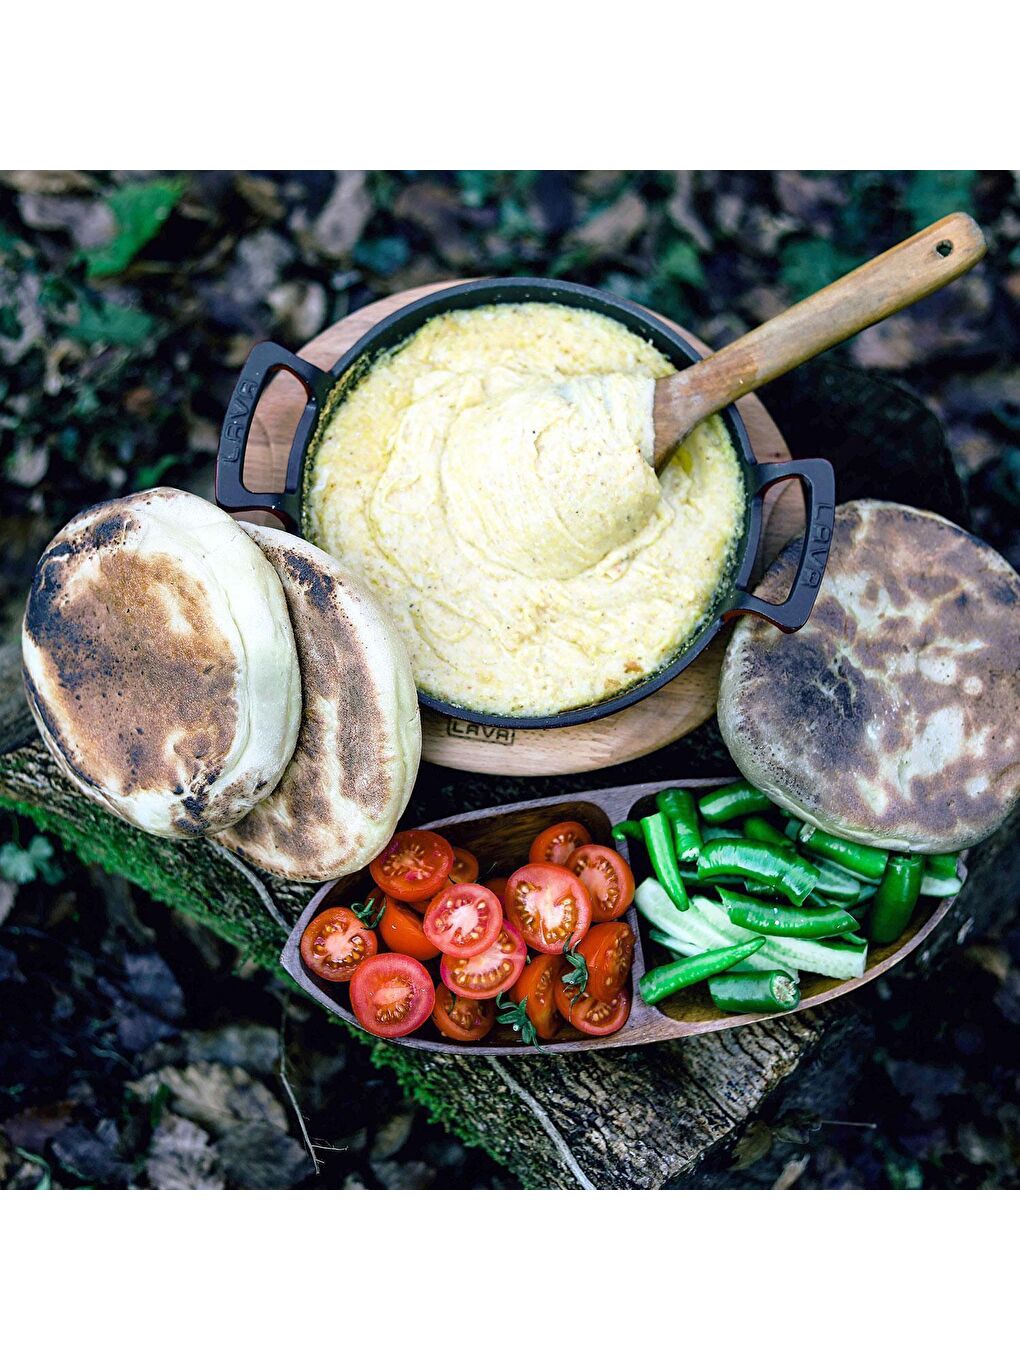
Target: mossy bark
(638,1118)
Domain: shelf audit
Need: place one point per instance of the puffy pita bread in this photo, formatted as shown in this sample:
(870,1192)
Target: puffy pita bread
(891,717)
(360,741)
(160,663)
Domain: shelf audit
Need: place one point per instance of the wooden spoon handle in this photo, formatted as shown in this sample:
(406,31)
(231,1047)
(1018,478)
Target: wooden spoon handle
(886,284)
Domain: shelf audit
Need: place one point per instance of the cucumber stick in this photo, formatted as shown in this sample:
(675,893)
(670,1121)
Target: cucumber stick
(708,926)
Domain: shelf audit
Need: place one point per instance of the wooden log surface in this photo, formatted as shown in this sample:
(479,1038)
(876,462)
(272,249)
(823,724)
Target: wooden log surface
(640,1118)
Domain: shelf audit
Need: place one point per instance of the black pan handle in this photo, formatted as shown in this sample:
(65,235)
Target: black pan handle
(795,610)
(262,363)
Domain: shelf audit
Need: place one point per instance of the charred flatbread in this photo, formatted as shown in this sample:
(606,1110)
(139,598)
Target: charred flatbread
(891,717)
(160,664)
(360,741)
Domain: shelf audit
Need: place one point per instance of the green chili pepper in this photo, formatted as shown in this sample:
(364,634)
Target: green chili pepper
(659,844)
(940,877)
(896,898)
(622,830)
(766,919)
(733,801)
(792,827)
(755,993)
(682,814)
(864,861)
(851,937)
(781,869)
(941,866)
(670,977)
(720,833)
(758,829)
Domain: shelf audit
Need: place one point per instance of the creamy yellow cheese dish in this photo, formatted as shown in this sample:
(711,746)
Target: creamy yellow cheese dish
(492,481)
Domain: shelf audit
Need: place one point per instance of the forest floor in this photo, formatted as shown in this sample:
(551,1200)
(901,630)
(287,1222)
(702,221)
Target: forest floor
(135,1049)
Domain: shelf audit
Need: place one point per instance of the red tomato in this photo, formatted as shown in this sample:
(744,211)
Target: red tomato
(607,877)
(460,1018)
(589,1015)
(537,986)
(391,995)
(557,843)
(414,865)
(497,886)
(400,929)
(486,975)
(463,920)
(608,950)
(549,906)
(465,867)
(335,943)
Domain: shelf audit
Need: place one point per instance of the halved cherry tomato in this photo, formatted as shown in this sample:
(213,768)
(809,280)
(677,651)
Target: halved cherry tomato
(391,995)
(465,867)
(486,975)
(608,950)
(414,865)
(537,986)
(335,943)
(557,843)
(458,1017)
(549,906)
(463,919)
(607,877)
(588,1014)
(497,886)
(400,929)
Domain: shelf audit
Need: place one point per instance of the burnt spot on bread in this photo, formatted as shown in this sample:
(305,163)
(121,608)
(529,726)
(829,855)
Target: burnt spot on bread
(139,686)
(902,724)
(344,753)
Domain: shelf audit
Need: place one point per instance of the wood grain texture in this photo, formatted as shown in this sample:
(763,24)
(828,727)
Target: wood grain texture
(636,1119)
(677,708)
(500,838)
(891,281)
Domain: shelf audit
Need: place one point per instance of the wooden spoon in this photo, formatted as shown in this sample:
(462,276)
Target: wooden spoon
(886,284)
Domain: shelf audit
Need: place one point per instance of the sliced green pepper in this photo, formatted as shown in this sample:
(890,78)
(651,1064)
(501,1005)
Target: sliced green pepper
(896,898)
(733,801)
(670,977)
(682,813)
(758,829)
(865,861)
(940,877)
(755,993)
(781,869)
(836,885)
(767,919)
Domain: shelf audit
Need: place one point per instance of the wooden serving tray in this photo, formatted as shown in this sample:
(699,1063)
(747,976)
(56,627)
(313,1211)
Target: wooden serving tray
(500,838)
(669,713)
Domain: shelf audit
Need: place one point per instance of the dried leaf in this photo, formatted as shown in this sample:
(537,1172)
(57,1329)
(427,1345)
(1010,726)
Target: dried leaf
(181,1158)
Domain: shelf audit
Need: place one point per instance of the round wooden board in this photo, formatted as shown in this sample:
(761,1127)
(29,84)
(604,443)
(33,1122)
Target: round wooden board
(672,711)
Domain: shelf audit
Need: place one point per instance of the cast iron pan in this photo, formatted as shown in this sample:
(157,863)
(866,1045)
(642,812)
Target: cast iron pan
(324,389)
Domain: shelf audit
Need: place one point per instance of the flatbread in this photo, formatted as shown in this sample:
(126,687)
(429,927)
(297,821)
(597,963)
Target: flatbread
(160,664)
(891,717)
(360,741)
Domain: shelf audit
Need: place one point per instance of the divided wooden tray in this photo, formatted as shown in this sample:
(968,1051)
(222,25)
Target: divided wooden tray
(500,838)
(647,726)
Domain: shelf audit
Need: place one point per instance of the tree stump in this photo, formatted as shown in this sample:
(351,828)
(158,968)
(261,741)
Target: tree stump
(641,1118)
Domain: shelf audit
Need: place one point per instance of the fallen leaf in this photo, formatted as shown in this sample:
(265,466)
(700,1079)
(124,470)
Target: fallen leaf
(260,1156)
(180,1157)
(215,1096)
(612,229)
(339,225)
